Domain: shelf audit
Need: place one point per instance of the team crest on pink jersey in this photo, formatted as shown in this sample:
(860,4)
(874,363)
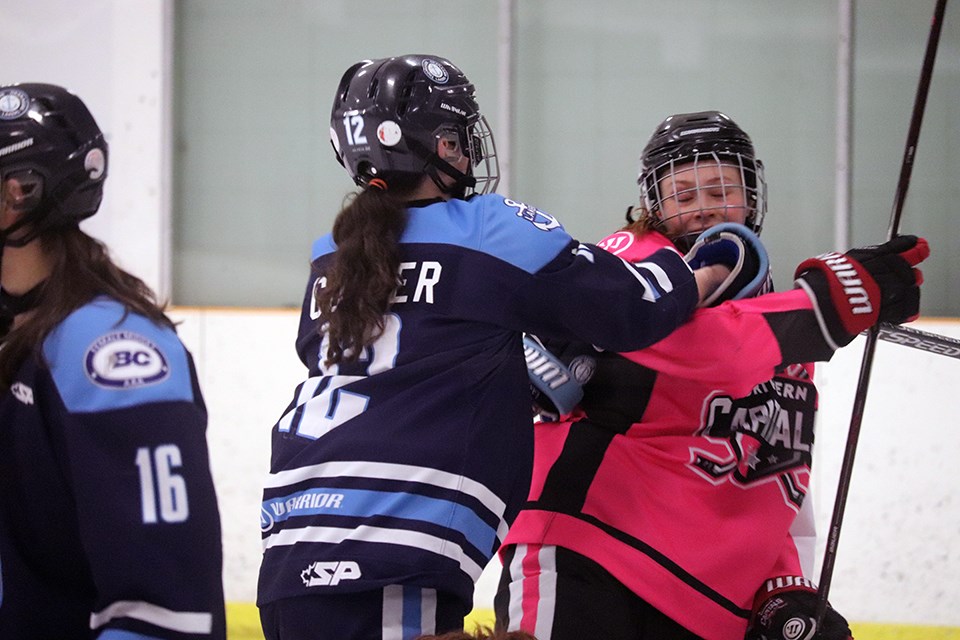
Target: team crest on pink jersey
(766,436)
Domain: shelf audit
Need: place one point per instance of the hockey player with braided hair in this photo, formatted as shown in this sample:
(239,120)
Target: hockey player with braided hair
(402,459)
(109,526)
(667,499)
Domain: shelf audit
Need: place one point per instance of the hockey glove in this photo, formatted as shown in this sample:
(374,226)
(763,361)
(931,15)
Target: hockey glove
(786,609)
(738,248)
(556,381)
(854,291)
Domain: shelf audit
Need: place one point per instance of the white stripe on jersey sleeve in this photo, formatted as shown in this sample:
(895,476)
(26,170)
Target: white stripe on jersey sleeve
(179,621)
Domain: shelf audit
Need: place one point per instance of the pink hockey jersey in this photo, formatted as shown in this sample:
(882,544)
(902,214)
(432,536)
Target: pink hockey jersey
(688,465)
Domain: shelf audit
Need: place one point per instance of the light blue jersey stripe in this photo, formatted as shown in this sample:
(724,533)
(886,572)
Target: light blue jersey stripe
(391,471)
(120,634)
(412,622)
(366,504)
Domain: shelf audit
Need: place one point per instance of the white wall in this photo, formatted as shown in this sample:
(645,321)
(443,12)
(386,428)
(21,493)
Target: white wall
(899,548)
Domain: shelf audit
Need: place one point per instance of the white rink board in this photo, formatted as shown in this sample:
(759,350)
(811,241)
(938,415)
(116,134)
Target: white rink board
(899,551)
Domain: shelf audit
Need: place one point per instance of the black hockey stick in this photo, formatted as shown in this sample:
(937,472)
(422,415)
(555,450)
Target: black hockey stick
(923,340)
(906,168)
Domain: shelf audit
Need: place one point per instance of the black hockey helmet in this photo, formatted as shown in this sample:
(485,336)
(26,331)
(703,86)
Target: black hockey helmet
(692,138)
(52,146)
(389,113)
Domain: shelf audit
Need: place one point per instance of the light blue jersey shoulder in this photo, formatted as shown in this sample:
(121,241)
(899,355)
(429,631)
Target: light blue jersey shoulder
(101,360)
(512,231)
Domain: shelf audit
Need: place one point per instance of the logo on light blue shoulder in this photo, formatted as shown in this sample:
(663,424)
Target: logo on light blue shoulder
(539,219)
(124,360)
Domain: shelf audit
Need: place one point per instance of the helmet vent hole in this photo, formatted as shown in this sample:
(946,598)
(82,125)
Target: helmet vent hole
(403,101)
(372,91)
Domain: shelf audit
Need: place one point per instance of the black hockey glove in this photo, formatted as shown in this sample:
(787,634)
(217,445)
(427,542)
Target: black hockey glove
(557,377)
(854,291)
(738,248)
(786,609)
(892,266)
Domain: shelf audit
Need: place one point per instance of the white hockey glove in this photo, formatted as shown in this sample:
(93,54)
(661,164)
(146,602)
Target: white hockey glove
(737,247)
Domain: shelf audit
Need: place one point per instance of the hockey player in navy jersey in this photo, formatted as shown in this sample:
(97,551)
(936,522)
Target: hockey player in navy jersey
(669,502)
(109,526)
(402,459)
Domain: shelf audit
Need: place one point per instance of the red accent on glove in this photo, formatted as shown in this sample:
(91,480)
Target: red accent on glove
(853,291)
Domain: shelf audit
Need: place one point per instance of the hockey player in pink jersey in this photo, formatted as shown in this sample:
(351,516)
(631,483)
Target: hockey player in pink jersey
(668,502)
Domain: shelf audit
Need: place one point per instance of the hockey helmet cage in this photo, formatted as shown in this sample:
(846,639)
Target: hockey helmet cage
(51,145)
(688,138)
(389,113)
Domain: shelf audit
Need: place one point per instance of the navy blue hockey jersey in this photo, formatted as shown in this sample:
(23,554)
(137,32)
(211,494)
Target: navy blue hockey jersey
(407,466)
(109,526)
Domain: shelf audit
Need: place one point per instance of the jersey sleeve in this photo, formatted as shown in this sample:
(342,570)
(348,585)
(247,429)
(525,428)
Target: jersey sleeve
(137,462)
(497,261)
(739,343)
(736,344)
(545,282)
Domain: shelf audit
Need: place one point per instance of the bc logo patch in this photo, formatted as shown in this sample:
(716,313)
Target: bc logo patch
(122,360)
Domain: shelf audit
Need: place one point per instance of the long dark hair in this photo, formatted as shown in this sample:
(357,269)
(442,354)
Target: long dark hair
(82,270)
(365,273)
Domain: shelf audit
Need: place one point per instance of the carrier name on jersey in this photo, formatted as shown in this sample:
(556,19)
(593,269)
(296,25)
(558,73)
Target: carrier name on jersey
(330,574)
(417,281)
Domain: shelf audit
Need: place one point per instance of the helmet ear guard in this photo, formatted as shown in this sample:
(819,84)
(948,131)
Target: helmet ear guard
(695,139)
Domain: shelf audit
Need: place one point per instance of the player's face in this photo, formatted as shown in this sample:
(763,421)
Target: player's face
(10,193)
(449,149)
(14,194)
(698,196)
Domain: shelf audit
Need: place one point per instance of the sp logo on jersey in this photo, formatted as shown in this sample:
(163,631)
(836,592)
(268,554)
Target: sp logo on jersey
(330,574)
(122,360)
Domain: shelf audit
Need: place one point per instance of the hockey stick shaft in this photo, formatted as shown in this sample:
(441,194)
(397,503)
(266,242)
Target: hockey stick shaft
(846,467)
(922,340)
